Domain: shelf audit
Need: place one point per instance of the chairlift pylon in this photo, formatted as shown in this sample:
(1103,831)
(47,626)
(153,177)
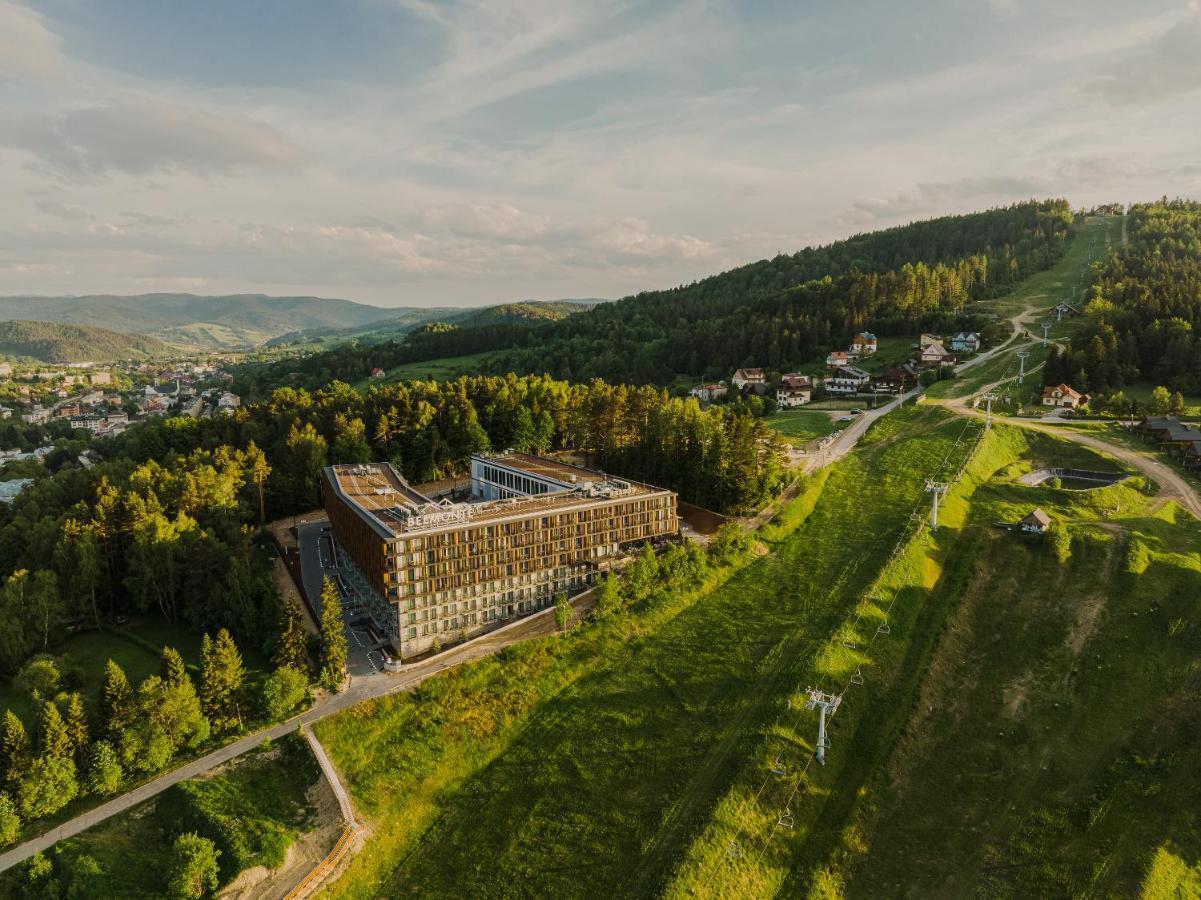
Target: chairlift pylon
(857,678)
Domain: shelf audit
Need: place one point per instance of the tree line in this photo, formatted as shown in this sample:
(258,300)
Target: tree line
(780,312)
(1146,300)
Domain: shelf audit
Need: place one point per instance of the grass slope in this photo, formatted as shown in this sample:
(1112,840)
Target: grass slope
(611,767)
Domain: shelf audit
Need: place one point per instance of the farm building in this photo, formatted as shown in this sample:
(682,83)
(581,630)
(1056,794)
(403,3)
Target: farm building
(1037,522)
(429,573)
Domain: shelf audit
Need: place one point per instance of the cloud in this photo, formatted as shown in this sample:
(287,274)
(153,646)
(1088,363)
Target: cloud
(28,49)
(1169,67)
(139,135)
(62,211)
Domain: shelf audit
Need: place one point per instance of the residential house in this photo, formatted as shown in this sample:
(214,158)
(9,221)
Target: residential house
(847,380)
(927,339)
(897,379)
(749,379)
(863,344)
(794,390)
(87,421)
(837,359)
(1063,397)
(228,402)
(965,342)
(707,393)
(37,415)
(935,354)
(378,373)
(1035,523)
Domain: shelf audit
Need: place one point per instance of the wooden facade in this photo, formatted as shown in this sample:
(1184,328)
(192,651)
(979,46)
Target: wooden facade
(453,570)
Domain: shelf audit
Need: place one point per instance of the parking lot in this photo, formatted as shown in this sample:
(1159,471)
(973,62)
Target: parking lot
(318,559)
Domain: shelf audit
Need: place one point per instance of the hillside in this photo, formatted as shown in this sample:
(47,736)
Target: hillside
(58,342)
(190,321)
(782,312)
(526,311)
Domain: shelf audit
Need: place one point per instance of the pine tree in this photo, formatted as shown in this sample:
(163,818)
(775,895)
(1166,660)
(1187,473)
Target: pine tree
(10,822)
(221,675)
(172,668)
(116,700)
(333,637)
(292,649)
(14,748)
(55,741)
(77,731)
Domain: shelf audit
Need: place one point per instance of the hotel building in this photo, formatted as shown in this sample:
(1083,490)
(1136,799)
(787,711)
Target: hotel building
(433,572)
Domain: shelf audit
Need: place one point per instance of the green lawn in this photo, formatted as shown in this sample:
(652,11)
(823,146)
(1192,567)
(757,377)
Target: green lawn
(802,425)
(593,780)
(1141,391)
(261,796)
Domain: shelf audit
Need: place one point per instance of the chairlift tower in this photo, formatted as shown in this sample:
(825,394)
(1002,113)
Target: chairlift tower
(939,490)
(988,399)
(1046,332)
(1023,355)
(826,704)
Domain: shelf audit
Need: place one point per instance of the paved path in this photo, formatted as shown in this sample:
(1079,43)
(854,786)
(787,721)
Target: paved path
(379,685)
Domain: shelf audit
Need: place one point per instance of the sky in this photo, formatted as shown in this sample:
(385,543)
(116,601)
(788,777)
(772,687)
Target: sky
(422,153)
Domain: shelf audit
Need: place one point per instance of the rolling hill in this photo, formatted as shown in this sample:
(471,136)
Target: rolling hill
(60,342)
(195,322)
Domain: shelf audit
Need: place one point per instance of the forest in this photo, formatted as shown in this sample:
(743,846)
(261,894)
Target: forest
(55,342)
(780,312)
(1146,300)
(164,523)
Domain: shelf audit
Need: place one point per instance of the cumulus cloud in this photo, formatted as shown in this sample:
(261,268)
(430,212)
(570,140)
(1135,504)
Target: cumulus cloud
(139,135)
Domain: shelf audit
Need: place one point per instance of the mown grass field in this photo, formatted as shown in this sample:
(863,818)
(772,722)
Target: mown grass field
(594,780)
(262,795)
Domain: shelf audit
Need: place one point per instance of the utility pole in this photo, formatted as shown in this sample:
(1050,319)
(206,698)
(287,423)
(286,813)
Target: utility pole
(826,704)
(938,489)
(1046,331)
(1023,355)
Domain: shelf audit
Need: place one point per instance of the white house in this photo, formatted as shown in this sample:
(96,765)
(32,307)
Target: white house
(838,359)
(1063,397)
(228,401)
(709,392)
(863,344)
(794,390)
(749,378)
(935,354)
(847,380)
(965,342)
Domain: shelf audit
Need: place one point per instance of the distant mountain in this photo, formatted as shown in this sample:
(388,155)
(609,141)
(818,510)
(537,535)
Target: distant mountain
(406,320)
(195,322)
(62,342)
